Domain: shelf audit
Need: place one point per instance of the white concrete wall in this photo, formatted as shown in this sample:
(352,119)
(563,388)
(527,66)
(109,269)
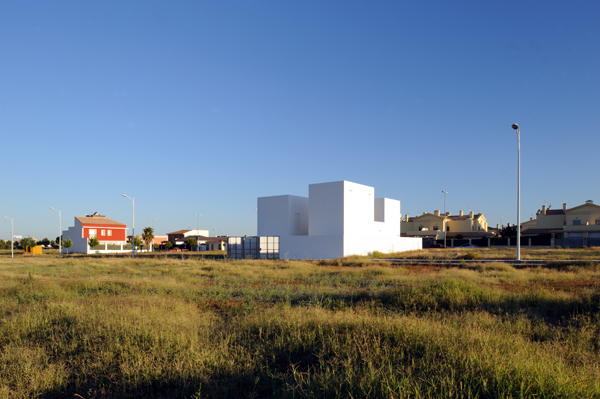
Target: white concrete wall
(354,245)
(311,247)
(326,209)
(341,218)
(194,232)
(75,233)
(277,216)
(387,217)
(359,209)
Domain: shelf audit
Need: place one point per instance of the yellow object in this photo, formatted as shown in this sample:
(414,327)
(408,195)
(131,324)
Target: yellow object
(37,250)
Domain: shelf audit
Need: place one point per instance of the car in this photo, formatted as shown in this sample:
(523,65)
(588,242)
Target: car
(468,246)
(437,246)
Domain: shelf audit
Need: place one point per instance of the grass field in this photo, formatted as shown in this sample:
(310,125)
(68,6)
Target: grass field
(162,328)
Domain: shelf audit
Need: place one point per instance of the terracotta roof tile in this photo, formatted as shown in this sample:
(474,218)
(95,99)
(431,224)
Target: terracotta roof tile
(179,232)
(97,220)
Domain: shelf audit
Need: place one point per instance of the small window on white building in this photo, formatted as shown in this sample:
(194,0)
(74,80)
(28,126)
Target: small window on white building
(576,222)
(436,228)
(109,233)
(597,222)
(92,233)
(102,232)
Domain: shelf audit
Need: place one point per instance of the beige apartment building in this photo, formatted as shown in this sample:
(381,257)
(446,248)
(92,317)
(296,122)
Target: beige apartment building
(570,227)
(438,226)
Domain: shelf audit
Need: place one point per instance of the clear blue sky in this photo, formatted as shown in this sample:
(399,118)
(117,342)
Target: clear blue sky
(203,106)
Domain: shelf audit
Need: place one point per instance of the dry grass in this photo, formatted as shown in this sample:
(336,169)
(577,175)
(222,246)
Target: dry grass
(104,328)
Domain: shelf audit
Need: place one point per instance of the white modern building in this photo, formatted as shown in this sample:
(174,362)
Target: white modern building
(337,219)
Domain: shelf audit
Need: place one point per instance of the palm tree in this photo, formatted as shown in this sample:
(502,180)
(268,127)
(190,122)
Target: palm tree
(148,237)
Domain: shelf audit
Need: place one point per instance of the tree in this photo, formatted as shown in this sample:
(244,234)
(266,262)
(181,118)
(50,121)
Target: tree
(67,244)
(28,242)
(509,231)
(148,236)
(169,245)
(93,242)
(155,246)
(53,244)
(45,242)
(191,242)
(137,241)
(2,244)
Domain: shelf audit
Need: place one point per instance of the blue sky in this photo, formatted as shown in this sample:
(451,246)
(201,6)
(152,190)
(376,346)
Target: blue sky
(202,106)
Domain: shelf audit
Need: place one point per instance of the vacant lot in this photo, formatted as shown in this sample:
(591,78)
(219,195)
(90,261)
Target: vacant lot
(103,328)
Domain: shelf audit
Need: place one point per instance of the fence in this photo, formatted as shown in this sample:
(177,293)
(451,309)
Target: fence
(498,242)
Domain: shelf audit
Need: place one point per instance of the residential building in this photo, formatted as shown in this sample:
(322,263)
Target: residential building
(337,219)
(573,227)
(180,236)
(436,226)
(111,234)
(205,243)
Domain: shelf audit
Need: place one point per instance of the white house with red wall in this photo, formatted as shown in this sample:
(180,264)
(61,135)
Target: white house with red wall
(111,234)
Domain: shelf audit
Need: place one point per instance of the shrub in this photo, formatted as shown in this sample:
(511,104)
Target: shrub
(471,256)
(377,255)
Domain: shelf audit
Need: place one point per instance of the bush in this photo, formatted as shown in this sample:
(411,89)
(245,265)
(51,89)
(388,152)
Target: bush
(471,256)
(377,255)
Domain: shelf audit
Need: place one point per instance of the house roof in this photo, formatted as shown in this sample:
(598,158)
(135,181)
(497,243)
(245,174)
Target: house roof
(97,220)
(178,232)
(588,204)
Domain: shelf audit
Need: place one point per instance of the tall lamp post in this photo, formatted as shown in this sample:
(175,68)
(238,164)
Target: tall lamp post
(516,127)
(59,232)
(132,198)
(445,192)
(198,230)
(12,237)
(152,220)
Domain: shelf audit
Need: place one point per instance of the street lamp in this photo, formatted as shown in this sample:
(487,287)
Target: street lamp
(132,198)
(59,232)
(12,238)
(197,230)
(516,127)
(445,192)
(152,220)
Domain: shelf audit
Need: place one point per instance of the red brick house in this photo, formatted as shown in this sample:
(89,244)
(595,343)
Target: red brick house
(109,232)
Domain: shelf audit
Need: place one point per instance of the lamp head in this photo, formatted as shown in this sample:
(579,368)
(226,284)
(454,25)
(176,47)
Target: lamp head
(123,195)
(515,126)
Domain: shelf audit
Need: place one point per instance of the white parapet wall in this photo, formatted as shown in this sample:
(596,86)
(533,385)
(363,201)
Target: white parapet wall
(337,219)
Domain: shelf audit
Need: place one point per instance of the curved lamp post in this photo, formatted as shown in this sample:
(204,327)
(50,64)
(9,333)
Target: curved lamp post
(516,127)
(132,198)
(12,237)
(59,232)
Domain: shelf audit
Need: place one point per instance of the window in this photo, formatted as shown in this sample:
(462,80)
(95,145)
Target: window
(436,228)
(109,233)
(576,222)
(597,222)
(420,228)
(92,233)
(102,232)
